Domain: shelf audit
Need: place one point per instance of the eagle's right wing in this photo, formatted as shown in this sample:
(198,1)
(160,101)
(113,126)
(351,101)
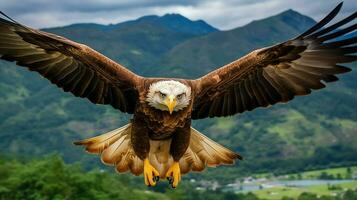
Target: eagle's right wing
(74,67)
(278,73)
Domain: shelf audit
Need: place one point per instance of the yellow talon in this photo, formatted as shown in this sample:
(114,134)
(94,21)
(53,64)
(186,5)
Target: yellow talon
(151,175)
(174,174)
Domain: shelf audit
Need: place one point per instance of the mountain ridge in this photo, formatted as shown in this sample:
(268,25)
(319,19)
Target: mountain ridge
(172,21)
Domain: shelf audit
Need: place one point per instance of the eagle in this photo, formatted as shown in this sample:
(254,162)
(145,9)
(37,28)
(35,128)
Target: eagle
(159,141)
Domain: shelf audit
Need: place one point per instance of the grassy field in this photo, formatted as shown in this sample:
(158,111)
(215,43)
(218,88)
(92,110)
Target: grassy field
(323,189)
(280,192)
(341,172)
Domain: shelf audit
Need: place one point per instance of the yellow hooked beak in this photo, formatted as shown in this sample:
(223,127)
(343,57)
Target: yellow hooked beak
(170,102)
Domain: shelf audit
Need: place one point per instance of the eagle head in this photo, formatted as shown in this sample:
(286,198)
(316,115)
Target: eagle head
(169,95)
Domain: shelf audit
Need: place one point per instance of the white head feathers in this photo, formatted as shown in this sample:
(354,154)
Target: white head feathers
(160,92)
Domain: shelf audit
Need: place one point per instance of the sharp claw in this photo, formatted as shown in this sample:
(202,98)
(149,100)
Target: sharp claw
(172,185)
(156,178)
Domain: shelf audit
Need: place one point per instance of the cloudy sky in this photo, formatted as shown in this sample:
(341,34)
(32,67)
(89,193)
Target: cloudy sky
(223,14)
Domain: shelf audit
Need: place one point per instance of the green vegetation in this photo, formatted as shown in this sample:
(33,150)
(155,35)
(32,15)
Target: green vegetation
(50,178)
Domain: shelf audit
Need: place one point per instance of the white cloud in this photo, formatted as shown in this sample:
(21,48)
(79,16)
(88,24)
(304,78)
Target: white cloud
(224,14)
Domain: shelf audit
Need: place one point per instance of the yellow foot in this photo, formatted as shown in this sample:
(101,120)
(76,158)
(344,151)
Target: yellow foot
(174,174)
(151,175)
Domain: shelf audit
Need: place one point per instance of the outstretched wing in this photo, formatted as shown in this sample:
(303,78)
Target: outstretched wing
(72,66)
(278,73)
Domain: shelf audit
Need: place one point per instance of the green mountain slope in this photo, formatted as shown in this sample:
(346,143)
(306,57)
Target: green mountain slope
(37,118)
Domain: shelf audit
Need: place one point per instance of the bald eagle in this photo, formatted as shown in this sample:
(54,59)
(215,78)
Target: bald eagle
(159,141)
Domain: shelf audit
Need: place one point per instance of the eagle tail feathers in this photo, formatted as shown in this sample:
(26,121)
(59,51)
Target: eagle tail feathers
(116,149)
(203,152)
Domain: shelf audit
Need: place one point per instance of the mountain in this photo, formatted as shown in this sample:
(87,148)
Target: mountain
(138,43)
(175,22)
(37,118)
(226,46)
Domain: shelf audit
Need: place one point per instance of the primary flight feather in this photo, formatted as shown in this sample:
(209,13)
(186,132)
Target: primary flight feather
(159,141)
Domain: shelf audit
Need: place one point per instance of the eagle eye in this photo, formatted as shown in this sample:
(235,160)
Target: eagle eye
(162,95)
(179,97)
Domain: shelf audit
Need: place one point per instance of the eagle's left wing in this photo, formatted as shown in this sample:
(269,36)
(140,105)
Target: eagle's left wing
(278,73)
(72,66)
